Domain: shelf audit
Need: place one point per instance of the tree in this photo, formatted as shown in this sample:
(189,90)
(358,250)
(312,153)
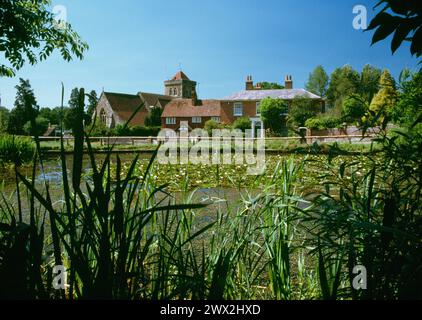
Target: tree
(406,24)
(344,82)
(270,86)
(302,109)
(4,119)
(25,109)
(386,97)
(70,113)
(354,108)
(409,104)
(41,126)
(273,114)
(29,32)
(92,105)
(369,82)
(154,118)
(318,82)
(54,116)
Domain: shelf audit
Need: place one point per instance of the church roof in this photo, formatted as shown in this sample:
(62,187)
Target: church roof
(285,94)
(180,76)
(152,99)
(124,105)
(183,108)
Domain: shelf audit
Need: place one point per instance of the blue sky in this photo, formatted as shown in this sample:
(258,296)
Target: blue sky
(135,45)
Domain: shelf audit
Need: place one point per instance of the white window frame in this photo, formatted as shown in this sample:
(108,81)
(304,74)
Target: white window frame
(238,105)
(258,108)
(216,119)
(197,120)
(171,120)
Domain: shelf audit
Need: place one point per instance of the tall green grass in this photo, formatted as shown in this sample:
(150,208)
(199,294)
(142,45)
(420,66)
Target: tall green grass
(14,149)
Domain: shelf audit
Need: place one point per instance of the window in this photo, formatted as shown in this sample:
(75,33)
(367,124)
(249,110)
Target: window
(196,120)
(258,108)
(103,117)
(238,109)
(175,92)
(170,120)
(216,119)
(171,91)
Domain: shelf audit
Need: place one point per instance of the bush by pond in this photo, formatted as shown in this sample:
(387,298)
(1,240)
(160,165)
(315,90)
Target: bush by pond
(15,149)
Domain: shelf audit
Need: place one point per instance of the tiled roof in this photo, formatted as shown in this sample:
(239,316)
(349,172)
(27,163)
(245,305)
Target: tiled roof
(183,108)
(180,76)
(285,94)
(151,99)
(124,105)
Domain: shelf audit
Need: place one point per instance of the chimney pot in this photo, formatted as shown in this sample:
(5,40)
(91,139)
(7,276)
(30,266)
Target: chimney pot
(288,84)
(249,83)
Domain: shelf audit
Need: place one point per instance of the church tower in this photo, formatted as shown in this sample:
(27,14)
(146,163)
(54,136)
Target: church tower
(180,86)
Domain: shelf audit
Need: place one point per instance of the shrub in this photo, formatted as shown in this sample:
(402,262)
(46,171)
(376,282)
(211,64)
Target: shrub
(98,129)
(140,131)
(211,125)
(272,114)
(15,149)
(41,126)
(302,109)
(242,124)
(322,123)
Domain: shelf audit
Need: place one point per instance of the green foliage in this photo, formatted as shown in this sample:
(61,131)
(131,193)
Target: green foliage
(4,119)
(318,82)
(28,32)
(242,124)
(135,131)
(25,109)
(302,109)
(18,150)
(54,116)
(409,105)
(92,104)
(211,125)
(344,82)
(98,129)
(386,97)
(405,23)
(373,219)
(154,118)
(354,108)
(270,86)
(41,126)
(323,122)
(369,82)
(273,114)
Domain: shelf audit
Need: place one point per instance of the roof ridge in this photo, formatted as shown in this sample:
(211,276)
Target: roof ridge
(155,94)
(120,94)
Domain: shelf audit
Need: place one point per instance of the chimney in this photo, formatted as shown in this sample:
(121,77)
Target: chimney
(258,86)
(288,82)
(249,83)
(194,97)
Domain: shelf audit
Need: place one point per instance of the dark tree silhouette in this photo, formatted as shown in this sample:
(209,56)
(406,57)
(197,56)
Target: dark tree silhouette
(404,19)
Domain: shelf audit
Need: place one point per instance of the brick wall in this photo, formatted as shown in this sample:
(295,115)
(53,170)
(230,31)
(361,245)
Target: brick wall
(180,120)
(227,111)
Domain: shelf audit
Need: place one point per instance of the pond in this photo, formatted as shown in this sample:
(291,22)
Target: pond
(221,186)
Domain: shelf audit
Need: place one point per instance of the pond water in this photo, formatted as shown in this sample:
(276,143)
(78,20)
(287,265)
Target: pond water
(221,197)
